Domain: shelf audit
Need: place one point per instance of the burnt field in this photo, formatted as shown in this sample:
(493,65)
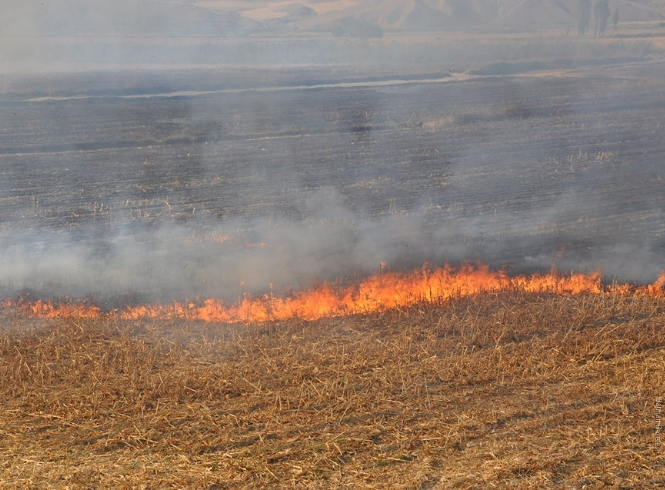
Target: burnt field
(326,173)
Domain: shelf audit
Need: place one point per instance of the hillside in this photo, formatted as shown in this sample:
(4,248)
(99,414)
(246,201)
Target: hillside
(217,18)
(121,18)
(436,14)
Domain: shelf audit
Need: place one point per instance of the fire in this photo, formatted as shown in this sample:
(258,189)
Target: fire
(380,292)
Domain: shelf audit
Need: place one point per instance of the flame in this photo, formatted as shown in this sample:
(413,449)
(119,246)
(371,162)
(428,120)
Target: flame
(380,292)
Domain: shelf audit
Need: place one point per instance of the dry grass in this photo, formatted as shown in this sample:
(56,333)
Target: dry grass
(507,391)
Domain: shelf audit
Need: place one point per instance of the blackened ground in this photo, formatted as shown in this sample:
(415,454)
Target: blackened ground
(559,168)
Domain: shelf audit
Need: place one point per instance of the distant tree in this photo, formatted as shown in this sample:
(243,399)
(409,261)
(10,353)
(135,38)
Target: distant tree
(615,19)
(584,16)
(601,13)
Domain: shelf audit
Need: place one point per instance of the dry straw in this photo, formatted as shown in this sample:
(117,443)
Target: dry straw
(495,391)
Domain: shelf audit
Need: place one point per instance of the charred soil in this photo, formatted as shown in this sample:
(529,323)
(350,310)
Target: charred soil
(510,166)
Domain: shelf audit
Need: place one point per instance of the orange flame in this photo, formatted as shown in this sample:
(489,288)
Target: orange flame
(380,292)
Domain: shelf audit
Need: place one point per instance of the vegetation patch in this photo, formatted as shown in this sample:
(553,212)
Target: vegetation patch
(529,390)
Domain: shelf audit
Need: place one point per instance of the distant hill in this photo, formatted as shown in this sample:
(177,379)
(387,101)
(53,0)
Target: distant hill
(410,15)
(132,18)
(551,13)
(357,18)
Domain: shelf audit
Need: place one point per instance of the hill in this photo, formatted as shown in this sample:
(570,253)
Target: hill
(426,15)
(230,18)
(121,18)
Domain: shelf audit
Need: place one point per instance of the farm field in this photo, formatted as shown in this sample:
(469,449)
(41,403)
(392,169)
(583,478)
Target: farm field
(164,187)
(528,171)
(234,153)
(507,390)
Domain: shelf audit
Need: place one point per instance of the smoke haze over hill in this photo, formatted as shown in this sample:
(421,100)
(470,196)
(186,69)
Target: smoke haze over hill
(62,34)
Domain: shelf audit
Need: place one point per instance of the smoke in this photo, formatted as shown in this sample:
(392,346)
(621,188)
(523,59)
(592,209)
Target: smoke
(158,150)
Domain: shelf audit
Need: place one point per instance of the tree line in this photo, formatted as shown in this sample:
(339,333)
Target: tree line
(601,14)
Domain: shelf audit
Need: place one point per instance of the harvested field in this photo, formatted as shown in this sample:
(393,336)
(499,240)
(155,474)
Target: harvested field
(130,179)
(508,391)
